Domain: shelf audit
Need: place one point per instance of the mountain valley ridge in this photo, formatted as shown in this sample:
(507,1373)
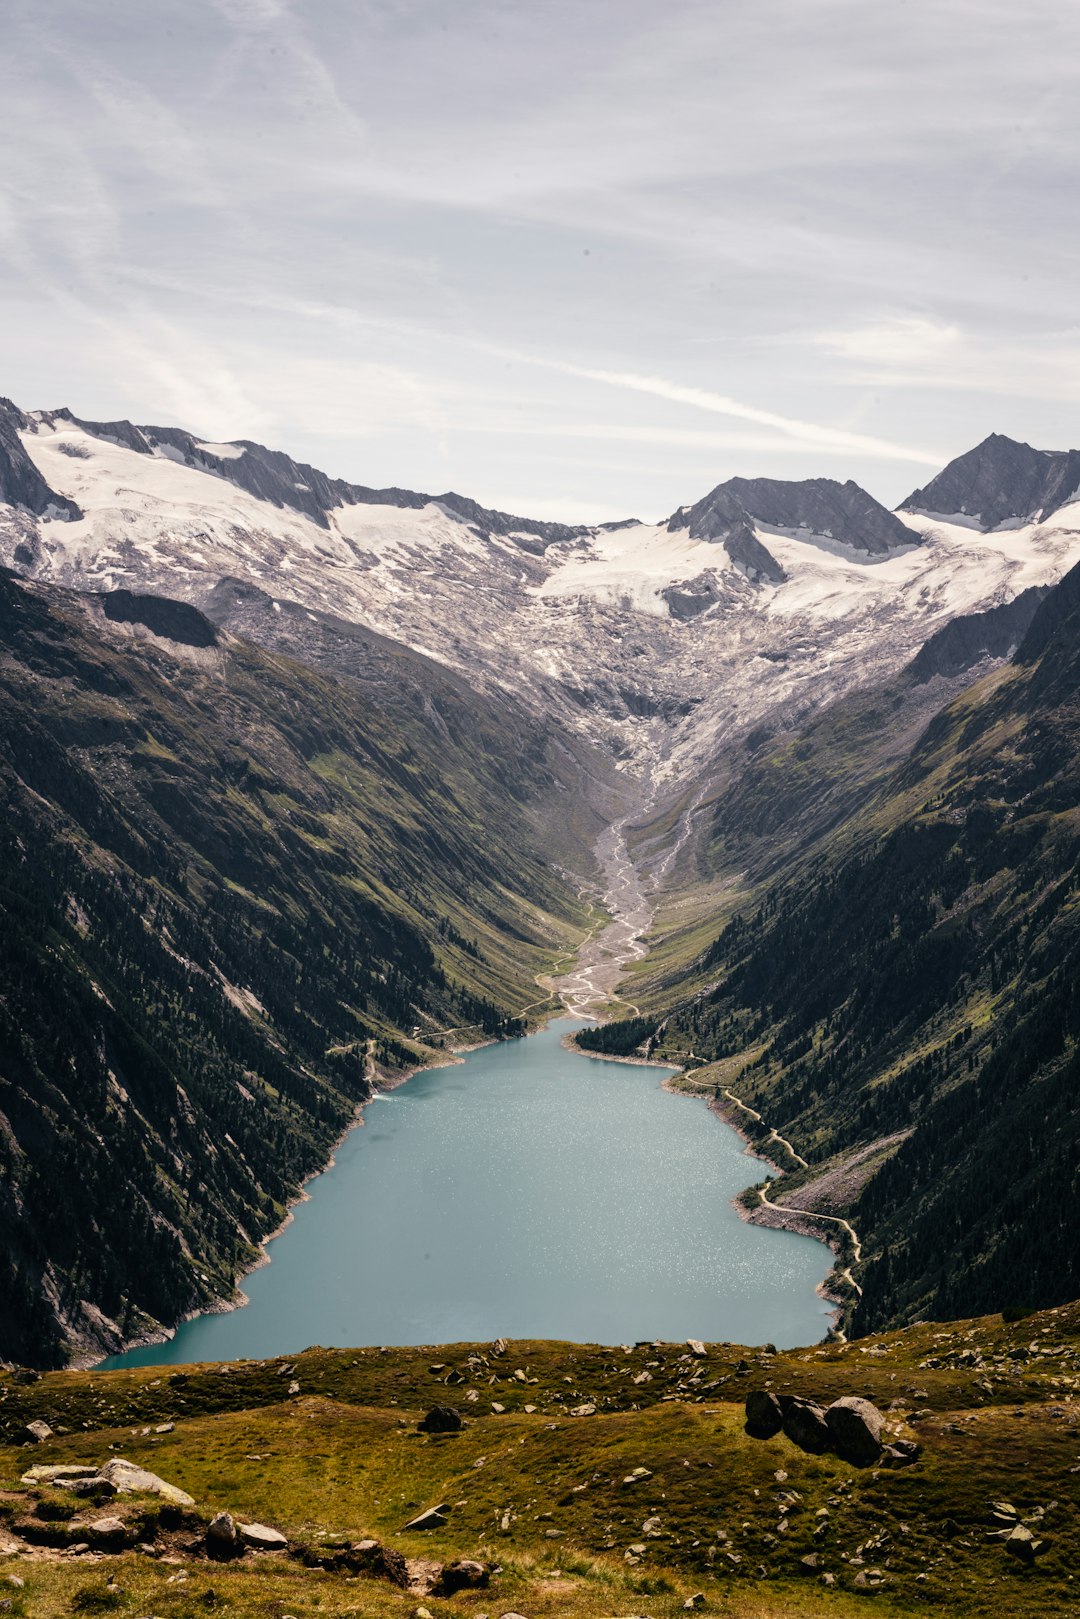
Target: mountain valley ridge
(250,709)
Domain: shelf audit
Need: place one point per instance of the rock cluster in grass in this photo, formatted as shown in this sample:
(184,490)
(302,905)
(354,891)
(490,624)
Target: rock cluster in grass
(851,1428)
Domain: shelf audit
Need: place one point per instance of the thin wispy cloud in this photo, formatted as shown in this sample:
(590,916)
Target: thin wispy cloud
(424,243)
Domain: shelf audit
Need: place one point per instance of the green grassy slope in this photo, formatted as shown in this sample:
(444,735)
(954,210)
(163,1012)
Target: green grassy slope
(229,886)
(325,1448)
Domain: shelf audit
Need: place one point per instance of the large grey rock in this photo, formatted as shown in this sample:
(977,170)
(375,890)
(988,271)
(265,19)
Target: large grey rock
(855,1428)
(764,1418)
(261,1538)
(107,1531)
(223,1537)
(131,1479)
(805,1426)
(38,1432)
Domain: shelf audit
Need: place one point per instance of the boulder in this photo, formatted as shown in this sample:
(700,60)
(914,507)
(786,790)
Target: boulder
(462,1575)
(37,1432)
(432,1518)
(222,1537)
(697,1348)
(805,1426)
(764,1417)
(261,1538)
(107,1531)
(130,1479)
(855,1429)
(1023,1545)
(59,1474)
(442,1419)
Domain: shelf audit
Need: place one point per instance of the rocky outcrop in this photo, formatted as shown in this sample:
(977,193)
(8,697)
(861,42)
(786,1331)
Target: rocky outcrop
(851,1427)
(131,1479)
(21,484)
(819,506)
(966,641)
(1001,482)
(172,620)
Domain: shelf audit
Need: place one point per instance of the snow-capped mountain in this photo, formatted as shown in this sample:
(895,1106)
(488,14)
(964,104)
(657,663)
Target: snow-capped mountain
(1000,484)
(659,642)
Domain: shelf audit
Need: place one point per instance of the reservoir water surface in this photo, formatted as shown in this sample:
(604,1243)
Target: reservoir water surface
(527,1192)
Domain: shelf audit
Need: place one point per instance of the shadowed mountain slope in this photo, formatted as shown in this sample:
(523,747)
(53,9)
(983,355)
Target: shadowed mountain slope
(231,890)
(902,1005)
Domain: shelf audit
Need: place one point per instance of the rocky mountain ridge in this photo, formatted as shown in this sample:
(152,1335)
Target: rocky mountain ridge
(659,644)
(1001,483)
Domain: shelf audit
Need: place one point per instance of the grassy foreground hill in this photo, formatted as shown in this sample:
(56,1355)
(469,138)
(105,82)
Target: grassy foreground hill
(586,1481)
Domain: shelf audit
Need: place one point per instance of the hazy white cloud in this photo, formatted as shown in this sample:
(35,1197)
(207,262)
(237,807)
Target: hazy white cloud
(427,242)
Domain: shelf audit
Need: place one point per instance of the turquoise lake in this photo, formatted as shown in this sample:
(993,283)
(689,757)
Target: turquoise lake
(527,1192)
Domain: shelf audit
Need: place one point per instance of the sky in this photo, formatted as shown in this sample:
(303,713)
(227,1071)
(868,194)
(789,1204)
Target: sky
(577,259)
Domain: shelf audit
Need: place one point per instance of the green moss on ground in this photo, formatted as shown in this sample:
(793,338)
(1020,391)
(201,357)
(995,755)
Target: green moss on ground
(539,1489)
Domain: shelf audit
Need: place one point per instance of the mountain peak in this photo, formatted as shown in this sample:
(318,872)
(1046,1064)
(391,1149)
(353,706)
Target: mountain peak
(1002,482)
(842,512)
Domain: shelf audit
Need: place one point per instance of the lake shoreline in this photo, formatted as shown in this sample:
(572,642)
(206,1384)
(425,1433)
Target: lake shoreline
(622,1116)
(385,1082)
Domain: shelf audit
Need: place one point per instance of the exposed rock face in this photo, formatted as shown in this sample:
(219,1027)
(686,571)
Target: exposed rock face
(1050,616)
(999,482)
(841,511)
(751,557)
(965,641)
(855,1429)
(692,597)
(173,620)
(21,484)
